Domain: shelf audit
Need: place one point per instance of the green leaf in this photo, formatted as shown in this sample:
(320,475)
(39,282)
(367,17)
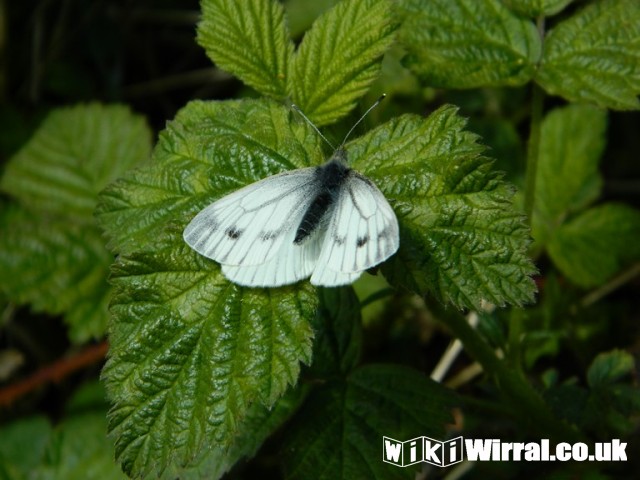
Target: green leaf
(58,267)
(610,367)
(22,446)
(77,449)
(467,43)
(536,8)
(460,237)
(75,153)
(52,256)
(338,339)
(595,245)
(594,56)
(250,39)
(571,143)
(339,58)
(208,151)
(348,419)
(259,423)
(191,353)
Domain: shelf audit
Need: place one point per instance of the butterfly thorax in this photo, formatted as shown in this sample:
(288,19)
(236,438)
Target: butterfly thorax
(329,177)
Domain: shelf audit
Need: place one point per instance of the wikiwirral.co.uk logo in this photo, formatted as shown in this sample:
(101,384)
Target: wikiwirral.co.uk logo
(443,454)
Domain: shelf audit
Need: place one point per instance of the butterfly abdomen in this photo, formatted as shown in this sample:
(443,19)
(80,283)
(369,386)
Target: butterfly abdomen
(330,178)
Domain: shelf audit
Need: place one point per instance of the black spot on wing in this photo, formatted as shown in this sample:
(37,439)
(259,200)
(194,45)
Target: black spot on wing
(233,233)
(362,241)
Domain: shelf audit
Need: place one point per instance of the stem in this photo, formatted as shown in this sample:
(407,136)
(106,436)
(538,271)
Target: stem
(533,147)
(53,373)
(519,392)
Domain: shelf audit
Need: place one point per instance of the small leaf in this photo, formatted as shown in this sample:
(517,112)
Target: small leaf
(250,39)
(536,8)
(209,150)
(339,58)
(75,153)
(191,353)
(461,238)
(467,43)
(594,56)
(348,420)
(338,339)
(57,267)
(609,367)
(571,142)
(595,245)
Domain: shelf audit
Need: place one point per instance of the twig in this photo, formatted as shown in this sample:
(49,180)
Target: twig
(53,373)
(452,352)
(610,286)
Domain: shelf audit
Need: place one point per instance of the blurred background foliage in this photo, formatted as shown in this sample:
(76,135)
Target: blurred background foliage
(142,53)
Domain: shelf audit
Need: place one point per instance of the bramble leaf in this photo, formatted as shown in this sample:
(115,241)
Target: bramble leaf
(76,152)
(191,353)
(209,149)
(594,56)
(596,244)
(572,139)
(339,58)
(58,267)
(460,236)
(348,419)
(467,44)
(250,39)
(536,8)
(52,256)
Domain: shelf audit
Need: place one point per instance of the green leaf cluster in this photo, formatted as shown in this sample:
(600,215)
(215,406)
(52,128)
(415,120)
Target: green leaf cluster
(76,448)
(201,361)
(335,63)
(609,404)
(52,255)
(592,56)
(589,245)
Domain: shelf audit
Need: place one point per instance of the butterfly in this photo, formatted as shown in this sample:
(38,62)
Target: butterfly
(328,222)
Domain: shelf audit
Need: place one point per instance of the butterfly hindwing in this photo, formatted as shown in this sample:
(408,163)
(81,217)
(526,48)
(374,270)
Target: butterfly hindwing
(362,232)
(249,226)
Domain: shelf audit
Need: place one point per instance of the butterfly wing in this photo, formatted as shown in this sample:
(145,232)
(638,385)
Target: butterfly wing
(292,263)
(362,232)
(249,226)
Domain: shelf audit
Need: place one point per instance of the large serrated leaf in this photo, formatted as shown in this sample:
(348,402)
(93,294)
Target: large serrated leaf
(468,43)
(339,58)
(592,247)
(572,139)
(461,238)
(250,39)
(191,353)
(594,56)
(209,150)
(75,153)
(339,431)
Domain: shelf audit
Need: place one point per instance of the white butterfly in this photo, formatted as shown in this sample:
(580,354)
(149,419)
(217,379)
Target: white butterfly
(327,222)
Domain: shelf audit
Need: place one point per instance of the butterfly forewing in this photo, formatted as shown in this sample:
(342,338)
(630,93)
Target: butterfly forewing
(249,226)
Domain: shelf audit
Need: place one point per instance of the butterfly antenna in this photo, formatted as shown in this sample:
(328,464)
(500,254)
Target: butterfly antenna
(375,104)
(297,109)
